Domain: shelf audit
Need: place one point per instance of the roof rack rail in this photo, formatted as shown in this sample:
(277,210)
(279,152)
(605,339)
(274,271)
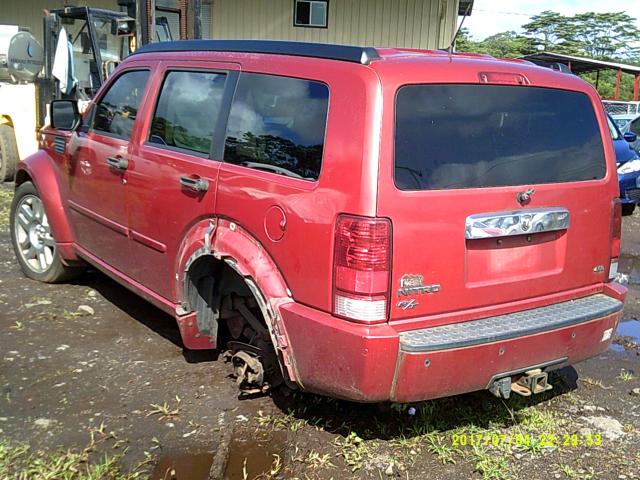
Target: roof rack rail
(346,53)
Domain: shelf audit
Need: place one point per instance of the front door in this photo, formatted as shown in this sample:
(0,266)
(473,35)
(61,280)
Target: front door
(98,161)
(173,176)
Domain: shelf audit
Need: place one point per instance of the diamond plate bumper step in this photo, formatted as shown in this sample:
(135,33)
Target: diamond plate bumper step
(512,325)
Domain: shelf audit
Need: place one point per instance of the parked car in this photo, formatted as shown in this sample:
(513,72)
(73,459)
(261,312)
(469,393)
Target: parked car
(628,164)
(622,120)
(341,217)
(631,131)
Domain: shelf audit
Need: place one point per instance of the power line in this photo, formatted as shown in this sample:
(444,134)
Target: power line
(504,13)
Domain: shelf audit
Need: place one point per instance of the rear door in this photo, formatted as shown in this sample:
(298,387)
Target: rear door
(172,180)
(496,193)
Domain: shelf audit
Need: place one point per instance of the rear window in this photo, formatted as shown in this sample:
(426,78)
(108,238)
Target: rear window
(470,136)
(277,125)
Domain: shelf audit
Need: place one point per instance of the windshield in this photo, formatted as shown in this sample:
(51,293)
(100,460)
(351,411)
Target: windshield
(612,128)
(113,48)
(471,136)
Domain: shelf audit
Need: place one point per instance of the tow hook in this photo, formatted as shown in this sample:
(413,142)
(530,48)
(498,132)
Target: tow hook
(531,382)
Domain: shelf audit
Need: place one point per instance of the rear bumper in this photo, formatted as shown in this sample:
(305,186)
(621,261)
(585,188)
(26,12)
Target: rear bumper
(377,363)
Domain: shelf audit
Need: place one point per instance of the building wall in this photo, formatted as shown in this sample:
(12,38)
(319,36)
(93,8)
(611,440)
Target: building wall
(28,13)
(403,23)
(382,23)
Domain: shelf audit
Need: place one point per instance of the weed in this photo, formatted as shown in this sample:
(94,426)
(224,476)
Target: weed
(354,451)
(490,463)
(444,452)
(626,376)
(316,460)
(164,410)
(21,463)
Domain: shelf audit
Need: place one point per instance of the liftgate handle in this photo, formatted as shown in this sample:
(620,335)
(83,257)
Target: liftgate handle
(118,163)
(195,184)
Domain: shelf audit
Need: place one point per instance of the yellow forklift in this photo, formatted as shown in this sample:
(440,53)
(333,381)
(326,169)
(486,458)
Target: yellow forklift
(80,48)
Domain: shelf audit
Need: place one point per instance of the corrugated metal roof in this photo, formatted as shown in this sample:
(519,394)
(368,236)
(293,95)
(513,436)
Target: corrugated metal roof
(581,64)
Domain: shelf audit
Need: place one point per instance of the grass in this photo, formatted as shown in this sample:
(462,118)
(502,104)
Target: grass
(490,463)
(165,411)
(626,376)
(20,462)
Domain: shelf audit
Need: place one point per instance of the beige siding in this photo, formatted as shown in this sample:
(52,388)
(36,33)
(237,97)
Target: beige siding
(383,23)
(28,13)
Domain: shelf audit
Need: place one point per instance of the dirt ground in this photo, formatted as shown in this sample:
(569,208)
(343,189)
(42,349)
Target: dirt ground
(89,367)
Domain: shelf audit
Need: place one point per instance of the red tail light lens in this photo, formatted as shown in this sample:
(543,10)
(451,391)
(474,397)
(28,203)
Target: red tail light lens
(616,233)
(362,268)
(616,228)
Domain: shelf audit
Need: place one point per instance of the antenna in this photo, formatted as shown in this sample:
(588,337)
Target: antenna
(453,40)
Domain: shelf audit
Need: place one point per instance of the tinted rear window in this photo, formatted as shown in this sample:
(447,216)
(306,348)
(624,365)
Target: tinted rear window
(466,136)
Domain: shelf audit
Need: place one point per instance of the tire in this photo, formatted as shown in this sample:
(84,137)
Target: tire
(32,241)
(628,208)
(9,156)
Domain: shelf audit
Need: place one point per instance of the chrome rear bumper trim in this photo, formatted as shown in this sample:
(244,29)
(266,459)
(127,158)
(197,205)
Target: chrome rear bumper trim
(516,222)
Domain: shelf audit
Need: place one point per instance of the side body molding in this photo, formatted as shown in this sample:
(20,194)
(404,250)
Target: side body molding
(227,241)
(40,168)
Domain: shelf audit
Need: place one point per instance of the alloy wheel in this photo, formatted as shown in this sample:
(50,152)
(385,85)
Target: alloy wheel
(33,234)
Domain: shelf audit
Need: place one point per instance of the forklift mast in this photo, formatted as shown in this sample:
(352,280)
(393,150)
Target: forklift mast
(98,40)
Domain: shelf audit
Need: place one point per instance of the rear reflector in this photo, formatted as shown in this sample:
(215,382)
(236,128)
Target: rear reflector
(361,267)
(361,309)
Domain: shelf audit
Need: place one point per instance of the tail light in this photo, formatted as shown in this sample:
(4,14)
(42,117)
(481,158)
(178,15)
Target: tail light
(361,268)
(616,232)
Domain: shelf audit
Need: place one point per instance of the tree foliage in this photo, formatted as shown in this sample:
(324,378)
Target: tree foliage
(607,36)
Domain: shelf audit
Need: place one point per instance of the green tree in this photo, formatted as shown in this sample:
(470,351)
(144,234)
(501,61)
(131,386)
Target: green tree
(602,35)
(546,30)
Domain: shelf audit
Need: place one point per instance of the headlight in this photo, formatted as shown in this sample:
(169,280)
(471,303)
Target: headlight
(630,166)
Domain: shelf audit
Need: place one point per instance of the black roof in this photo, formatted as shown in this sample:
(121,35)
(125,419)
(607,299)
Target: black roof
(346,53)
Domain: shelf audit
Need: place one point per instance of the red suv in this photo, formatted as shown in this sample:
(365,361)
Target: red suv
(370,224)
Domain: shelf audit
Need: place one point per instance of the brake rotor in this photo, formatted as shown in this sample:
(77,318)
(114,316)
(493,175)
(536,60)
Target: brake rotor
(248,370)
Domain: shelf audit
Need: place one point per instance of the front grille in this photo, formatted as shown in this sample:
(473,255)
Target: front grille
(633,193)
(512,325)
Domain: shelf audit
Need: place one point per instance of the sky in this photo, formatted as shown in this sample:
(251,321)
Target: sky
(493,16)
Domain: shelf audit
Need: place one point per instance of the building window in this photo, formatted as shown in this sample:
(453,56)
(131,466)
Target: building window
(311,13)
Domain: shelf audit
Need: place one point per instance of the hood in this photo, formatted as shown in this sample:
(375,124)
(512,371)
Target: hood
(624,152)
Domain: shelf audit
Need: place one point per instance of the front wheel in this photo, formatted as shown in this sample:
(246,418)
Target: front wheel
(34,246)
(628,208)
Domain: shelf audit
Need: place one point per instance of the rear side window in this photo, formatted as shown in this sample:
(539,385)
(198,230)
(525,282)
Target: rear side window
(470,136)
(188,110)
(116,111)
(277,124)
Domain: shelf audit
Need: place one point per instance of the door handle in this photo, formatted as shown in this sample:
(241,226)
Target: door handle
(118,163)
(194,184)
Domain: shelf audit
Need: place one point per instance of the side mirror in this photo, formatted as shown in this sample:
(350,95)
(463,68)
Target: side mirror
(65,115)
(630,137)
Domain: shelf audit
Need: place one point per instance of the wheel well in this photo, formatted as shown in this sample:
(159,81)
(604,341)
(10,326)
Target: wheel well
(215,291)
(230,310)
(21,177)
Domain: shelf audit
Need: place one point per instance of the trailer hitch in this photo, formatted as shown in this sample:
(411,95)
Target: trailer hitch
(530,382)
